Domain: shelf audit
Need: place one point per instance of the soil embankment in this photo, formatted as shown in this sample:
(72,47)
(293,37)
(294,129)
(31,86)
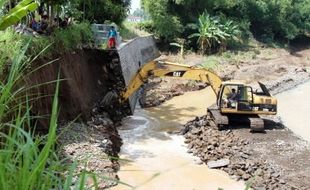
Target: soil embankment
(87,75)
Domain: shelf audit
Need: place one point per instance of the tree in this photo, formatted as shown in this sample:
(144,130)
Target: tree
(166,25)
(214,32)
(273,19)
(102,10)
(231,32)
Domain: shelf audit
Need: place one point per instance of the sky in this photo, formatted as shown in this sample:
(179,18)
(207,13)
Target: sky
(134,5)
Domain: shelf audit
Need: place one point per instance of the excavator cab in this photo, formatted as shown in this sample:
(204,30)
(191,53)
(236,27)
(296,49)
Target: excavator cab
(236,97)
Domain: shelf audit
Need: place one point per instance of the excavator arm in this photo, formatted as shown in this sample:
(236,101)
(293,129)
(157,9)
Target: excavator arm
(168,69)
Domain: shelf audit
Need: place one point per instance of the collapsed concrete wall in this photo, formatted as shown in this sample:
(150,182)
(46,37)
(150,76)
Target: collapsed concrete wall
(132,56)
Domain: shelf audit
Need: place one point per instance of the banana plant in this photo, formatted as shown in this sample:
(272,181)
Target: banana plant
(17,13)
(209,32)
(214,32)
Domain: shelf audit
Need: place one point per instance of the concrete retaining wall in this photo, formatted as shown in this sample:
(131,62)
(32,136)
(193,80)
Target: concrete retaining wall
(133,55)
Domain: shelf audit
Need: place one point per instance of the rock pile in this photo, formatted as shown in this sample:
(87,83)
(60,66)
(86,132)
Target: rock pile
(94,146)
(210,144)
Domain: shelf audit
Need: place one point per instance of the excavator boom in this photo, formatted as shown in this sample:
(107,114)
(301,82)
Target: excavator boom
(168,69)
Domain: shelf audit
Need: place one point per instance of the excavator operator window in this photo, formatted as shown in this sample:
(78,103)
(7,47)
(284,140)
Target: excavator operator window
(230,96)
(246,98)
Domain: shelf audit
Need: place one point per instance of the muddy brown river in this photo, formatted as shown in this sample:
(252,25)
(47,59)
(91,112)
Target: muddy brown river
(156,159)
(294,110)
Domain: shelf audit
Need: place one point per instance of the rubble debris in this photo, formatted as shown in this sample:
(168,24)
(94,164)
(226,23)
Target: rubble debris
(224,150)
(94,146)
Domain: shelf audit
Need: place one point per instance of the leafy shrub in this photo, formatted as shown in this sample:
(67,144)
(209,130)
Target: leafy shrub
(215,32)
(73,36)
(147,26)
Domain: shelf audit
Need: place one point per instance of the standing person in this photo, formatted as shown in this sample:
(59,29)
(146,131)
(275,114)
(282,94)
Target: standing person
(112,37)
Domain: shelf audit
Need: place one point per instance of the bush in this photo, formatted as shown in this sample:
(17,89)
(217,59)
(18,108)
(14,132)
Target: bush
(274,18)
(61,40)
(73,36)
(147,26)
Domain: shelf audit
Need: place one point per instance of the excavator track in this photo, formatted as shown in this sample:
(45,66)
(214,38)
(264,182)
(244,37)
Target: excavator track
(257,124)
(219,120)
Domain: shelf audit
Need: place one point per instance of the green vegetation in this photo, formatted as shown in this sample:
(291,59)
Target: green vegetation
(97,11)
(66,39)
(268,20)
(72,37)
(141,13)
(17,13)
(130,30)
(81,10)
(210,62)
(215,32)
(27,160)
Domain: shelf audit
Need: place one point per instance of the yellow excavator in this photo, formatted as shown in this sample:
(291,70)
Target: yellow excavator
(235,102)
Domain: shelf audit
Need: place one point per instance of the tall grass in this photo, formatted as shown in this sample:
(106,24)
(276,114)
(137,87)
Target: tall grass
(28,161)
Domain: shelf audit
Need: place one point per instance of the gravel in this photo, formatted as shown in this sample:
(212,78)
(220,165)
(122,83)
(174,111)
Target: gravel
(95,146)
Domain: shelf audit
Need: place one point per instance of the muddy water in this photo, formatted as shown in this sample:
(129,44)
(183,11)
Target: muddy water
(159,160)
(294,109)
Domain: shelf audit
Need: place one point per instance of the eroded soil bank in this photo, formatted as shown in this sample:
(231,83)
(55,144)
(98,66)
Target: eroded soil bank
(87,124)
(86,76)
